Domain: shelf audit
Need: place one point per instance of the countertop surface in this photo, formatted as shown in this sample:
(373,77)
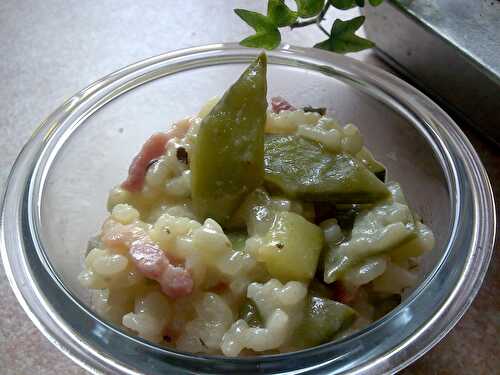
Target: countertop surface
(51,49)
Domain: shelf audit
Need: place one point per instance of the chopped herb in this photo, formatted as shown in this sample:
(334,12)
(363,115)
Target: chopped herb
(320,110)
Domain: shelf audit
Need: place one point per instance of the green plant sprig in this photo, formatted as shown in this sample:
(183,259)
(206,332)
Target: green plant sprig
(341,38)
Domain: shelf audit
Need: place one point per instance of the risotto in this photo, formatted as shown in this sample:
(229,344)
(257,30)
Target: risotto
(248,230)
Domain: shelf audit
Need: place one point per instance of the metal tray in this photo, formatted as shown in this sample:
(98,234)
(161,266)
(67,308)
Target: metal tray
(450,49)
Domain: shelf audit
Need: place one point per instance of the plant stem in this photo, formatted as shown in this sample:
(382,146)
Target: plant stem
(296,25)
(323,29)
(321,17)
(317,20)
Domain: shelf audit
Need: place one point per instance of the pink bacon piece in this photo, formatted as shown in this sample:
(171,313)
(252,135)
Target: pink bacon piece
(151,150)
(176,281)
(152,262)
(279,104)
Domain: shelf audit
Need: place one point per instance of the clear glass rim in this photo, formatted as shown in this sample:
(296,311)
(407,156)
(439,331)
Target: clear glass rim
(468,184)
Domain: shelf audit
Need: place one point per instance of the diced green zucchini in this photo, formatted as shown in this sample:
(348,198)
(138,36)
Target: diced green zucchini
(302,169)
(291,248)
(322,319)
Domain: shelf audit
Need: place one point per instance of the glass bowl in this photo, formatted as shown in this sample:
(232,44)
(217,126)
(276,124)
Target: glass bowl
(56,195)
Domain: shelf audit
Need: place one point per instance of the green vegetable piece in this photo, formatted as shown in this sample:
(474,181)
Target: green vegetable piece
(342,38)
(322,319)
(303,169)
(250,314)
(291,248)
(377,230)
(374,166)
(266,34)
(228,156)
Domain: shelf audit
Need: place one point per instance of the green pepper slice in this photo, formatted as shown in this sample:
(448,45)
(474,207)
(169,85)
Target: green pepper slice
(322,319)
(302,169)
(228,156)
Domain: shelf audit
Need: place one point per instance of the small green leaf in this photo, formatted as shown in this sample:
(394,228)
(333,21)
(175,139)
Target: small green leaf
(309,8)
(376,3)
(342,4)
(255,20)
(342,38)
(360,3)
(266,33)
(269,40)
(280,14)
